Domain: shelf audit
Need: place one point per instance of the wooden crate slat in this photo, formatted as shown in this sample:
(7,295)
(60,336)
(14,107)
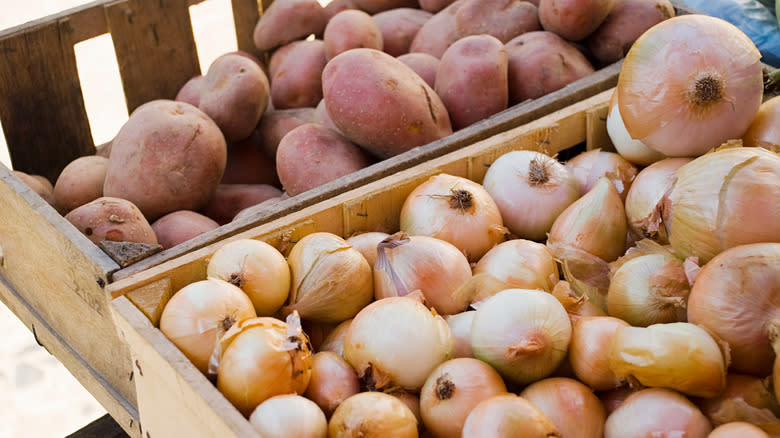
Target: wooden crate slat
(155,48)
(42,108)
(246,13)
(87,21)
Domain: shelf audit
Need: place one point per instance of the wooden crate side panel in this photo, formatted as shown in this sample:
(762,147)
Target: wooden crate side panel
(174,397)
(246,13)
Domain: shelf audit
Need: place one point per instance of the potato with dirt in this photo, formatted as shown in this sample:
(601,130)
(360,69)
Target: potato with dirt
(168,156)
(234,93)
(180,226)
(108,218)
(503,19)
(541,62)
(297,79)
(472,79)
(351,29)
(288,20)
(81,181)
(380,104)
(229,199)
(399,27)
(438,32)
(573,20)
(423,64)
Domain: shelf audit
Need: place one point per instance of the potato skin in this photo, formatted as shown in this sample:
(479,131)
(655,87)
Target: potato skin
(277,123)
(229,199)
(248,163)
(311,155)
(297,79)
(541,62)
(80,182)
(336,6)
(398,28)
(234,93)
(573,19)
(190,91)
(438,32)
(286,21)
(39,184)
(374,6)
(434,6)
(625,23)
(168,156)
(423,64)
(381,104)
(351,29)
(180,226)
(472,79)
(503,19)
(115,219)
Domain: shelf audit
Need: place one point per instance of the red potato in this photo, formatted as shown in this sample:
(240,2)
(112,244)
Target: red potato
(229,199)
(472,79)
(573,19)
(541,62)
(625,23)
(322,117)
(434,6)
(251,210)
(115,219)
(248,163)
(190,91)
(234,93)
(398,28)
(168,156)
(503,19)
(311,155)
(278,56)
(297,80)
(39,184)
(180,226)
(374,6)
(80,182)
(277,123)
(381,104)
(351,29)
(289,20)
(423,64)
(438,32)
(336,6)
(104,150)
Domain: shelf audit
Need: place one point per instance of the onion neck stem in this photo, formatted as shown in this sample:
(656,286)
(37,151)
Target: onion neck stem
(444,387)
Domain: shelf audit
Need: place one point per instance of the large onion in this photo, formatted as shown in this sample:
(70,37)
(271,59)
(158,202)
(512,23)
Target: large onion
(591,341)
(724,199)
(372,415)
(689,84)
(332,381)
(657,412)
(563,399)
(632,150)
(290,415)
(520,263)
(503,415)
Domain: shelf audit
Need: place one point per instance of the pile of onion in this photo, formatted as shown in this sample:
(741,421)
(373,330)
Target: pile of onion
(764,131)
(587,167)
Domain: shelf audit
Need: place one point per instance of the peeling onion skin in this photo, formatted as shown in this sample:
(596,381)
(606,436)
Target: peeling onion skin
(657,412)
(587,167)
(689,84)
(745,398)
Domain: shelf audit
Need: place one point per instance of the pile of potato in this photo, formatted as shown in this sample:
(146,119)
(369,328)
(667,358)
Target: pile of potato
(344,86)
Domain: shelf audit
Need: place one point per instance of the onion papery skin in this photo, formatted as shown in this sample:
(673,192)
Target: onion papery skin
(632,150)
(198,314)
(764,131)
(643,201)
(290,415)
(460,325)
(397,341)
(738,429)
(587,167)
(737,297)
(331,280)
(657,412)
(577,306)
(456,210)
(521,264)
(689,84)
(372,415)
(524,334)
(332,381)
(503,415)
(366,243)
(724,199)
(678,355)
(591,341)
(745,398)
(452,390)
(530,196)
(562,399)
(433,266)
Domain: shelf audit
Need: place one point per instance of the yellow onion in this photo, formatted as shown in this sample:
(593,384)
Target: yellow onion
(587,167)
(577,306)
(562,400)
(397,341)
(724,199)
(460,325)
(456,210)
(372,415)
(745,398)
(335,340)
(259,358)
(331,280)
(764,131)
(591,342)
(257,268)
(412,401)
(508,415)
(738,429)
(366,243)
(290,415)
(531,189)
(433,266)
(657,412)
(451,392)
(520,263)
(198,314)
(737,297)
(632,150)
(332,381)
(643,201)
(524,334)
(690,83)
(678,355)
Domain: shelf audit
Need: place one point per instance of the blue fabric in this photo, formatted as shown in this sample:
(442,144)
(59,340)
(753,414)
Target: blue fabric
(754,18)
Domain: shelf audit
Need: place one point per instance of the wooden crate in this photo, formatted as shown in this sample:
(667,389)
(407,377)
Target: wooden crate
(174,398)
